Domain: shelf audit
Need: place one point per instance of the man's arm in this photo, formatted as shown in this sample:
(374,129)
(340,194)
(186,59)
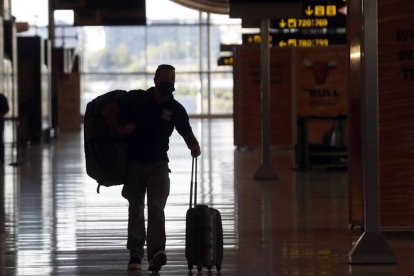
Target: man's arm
(192,144)
(184,129)
(111,113)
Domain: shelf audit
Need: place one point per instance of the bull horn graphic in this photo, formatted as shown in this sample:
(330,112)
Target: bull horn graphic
(333,62)
(320,69)
(307,62)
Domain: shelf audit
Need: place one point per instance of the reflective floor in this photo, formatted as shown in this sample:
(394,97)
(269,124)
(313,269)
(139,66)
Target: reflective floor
(52,221)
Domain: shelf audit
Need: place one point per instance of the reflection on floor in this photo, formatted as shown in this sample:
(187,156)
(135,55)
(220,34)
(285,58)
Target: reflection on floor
(54,223)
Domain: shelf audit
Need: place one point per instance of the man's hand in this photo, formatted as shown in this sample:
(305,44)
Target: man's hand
(195,150)
(192,144)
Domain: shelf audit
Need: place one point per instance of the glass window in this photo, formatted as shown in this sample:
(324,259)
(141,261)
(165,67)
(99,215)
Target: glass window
(177,45)
(222,93)
(188,91)
(113,49)
(126,57)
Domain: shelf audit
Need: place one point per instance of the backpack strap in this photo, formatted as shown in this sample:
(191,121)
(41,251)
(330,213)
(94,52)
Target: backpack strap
(137,90)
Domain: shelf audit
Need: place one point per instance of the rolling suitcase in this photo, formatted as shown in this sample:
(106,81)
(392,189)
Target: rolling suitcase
(204,232)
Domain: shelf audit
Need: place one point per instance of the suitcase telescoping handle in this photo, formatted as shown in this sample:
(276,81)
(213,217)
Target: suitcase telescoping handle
(193,183)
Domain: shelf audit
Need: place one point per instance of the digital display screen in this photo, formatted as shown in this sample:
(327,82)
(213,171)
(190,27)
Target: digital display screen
(297,40)
(320,24)
(308,23)
(225,61)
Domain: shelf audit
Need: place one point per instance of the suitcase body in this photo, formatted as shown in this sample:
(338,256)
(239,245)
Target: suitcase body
(204,238)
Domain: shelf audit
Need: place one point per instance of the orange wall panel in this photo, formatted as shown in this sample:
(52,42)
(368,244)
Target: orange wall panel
(247,97)
(321,86)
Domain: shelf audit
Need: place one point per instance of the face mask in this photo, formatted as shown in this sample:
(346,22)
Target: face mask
(166,88)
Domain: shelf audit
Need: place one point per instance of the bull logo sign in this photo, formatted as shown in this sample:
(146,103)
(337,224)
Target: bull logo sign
(320,69)
(318,96)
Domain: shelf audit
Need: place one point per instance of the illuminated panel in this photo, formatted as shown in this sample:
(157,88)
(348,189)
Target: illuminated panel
(306,41)
(316,14)
(303,43)
(225,61)
(318,9)
(297,40)
(309,23)
(253,38)
(318,26)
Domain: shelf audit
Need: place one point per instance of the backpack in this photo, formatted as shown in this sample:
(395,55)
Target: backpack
(105,151)
(4,105)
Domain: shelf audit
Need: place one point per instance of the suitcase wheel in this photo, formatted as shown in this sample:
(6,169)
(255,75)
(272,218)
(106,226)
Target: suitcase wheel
(199,268)
(218,267)
(190,267)
(209,267)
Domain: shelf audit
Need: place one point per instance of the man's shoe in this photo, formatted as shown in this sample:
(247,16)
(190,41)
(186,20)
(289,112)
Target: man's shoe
(158,260)
(134,264)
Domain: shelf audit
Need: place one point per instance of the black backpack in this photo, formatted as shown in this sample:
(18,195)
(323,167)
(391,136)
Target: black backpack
(4,105)
(105,151)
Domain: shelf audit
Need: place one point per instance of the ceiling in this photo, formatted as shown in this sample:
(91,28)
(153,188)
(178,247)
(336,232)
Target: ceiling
(213,6)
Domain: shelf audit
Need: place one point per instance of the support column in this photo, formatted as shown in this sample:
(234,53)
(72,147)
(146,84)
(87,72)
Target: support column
(266,170)
(371,248)
(51,26)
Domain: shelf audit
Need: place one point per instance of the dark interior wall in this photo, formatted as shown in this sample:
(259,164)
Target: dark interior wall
(396,110)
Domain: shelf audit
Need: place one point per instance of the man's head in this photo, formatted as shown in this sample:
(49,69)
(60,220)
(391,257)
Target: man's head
(164,80)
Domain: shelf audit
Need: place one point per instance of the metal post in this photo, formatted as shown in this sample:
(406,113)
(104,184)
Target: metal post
(208,65)
(265,171)
(146,56)
(200,49)
(371,248)
(51,26)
